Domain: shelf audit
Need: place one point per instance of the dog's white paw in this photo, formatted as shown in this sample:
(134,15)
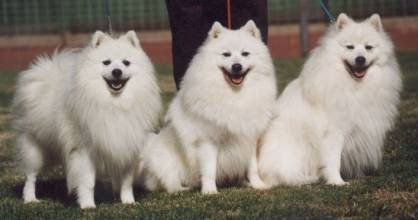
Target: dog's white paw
(86,203)
(128,200)
(29,193)
(337,182)
(209,187)
(88,206)
(209,190)
(31,200)
(127,197)
(260,185)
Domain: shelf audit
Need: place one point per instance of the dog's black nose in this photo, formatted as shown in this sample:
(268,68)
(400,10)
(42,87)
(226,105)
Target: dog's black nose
(236,68)
(360,61)
(116,73)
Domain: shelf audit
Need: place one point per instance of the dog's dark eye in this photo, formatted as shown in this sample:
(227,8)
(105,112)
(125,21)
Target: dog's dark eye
(106,62)
(245,54)
(368,47)
(350,47)
(226,54)
(126,63)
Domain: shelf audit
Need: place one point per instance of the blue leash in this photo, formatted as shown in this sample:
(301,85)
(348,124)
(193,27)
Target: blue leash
(109,20)
(327,12)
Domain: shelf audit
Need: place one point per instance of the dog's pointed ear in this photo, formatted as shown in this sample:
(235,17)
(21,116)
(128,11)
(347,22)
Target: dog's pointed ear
(132,38)
(98,38)
(342,21)
(376,22)
(216,29)
(251,27)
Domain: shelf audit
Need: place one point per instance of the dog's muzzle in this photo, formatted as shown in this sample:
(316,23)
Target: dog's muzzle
(236,75)
(116,82)
(359,69)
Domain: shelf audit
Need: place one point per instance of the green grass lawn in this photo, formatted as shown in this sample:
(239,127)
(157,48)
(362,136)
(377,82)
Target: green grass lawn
(392,192)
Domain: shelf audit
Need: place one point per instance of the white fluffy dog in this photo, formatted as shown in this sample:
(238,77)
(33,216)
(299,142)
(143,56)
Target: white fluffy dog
(213,124)
(334,117)
(88,110)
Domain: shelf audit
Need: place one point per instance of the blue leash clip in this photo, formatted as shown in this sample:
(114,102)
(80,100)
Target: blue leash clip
(327,12)
(108,16)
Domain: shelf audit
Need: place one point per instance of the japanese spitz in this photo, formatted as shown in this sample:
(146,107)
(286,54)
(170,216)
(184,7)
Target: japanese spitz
(212,126)
(332,120)
(89,110)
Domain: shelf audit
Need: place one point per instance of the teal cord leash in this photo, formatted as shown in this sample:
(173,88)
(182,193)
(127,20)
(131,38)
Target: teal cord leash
(327,12)
(107,12)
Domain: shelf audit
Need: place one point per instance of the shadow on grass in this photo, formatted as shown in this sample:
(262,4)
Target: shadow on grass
(56,190)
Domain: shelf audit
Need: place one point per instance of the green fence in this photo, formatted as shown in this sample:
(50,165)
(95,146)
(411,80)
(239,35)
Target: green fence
(282,11)
(51,16)
(55,16)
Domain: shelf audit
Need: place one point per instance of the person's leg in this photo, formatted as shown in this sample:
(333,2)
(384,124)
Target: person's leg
(190,21)
(187,34)
(241,12)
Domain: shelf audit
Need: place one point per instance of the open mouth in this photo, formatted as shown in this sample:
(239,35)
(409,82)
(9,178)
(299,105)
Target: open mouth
(235,79)
(116,85)
(357,71)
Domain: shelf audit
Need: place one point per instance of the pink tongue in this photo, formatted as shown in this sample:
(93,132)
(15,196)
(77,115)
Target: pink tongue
(237,80)
(360,74)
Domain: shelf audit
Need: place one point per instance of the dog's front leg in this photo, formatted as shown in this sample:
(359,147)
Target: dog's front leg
(81,175)
(253,176)
(208,157)
(126,190)
(330,153)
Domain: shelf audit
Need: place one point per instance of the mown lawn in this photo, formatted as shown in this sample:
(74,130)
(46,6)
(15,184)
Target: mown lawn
(392,192)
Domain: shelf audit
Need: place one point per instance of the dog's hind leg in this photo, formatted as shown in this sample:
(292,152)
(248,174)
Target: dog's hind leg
(170,175)
(253,175)
(32,161)
(164,165)
(172,184)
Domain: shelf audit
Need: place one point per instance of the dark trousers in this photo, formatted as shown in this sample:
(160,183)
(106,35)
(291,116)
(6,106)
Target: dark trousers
(190,21)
